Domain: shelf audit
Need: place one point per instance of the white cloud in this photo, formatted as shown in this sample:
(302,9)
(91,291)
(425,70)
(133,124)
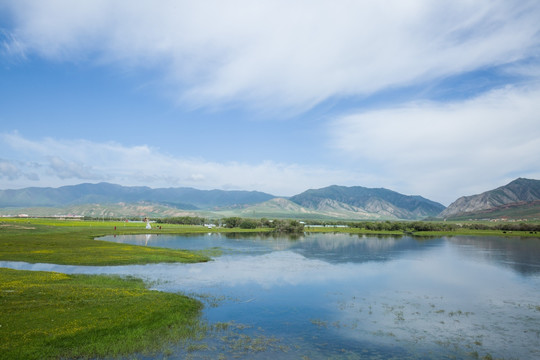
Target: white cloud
(448,150)
(71,170)
(9,170)
(284,54)
(61,162)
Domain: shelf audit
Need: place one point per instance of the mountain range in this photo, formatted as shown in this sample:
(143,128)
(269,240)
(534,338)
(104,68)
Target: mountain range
(105,193)
(518,199)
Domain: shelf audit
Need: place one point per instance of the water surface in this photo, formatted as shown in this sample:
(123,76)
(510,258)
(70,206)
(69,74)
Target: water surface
(349,296)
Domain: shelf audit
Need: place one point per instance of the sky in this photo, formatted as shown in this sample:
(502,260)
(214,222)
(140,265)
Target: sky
(433,98)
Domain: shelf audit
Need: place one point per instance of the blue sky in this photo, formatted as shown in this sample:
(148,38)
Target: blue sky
(439,99)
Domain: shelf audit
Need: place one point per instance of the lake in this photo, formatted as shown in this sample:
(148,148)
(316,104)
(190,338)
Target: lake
(344,296)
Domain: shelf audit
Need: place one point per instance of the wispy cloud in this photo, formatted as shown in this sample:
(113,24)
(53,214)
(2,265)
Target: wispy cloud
(71,170)
(9,170)
(10,46)
(464,146)
(274,54)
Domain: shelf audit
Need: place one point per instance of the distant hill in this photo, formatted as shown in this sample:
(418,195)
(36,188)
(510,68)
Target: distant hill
(516,200)
(284,208)
(368,202)
(105,193)
(109,210)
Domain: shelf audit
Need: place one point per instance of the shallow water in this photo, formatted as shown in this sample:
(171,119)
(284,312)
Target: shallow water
(348,296)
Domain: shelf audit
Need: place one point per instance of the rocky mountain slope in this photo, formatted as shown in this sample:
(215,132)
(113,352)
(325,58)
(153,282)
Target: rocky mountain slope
(518,193)
(377,203)
(284,208)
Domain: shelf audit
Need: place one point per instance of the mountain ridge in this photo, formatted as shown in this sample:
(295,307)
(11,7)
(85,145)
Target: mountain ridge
(380,201)
(518,192)
(107,193)
(519,199)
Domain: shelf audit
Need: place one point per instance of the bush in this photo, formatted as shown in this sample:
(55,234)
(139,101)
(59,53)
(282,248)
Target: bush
(288,226)
(232,222)
(183,220)
(249,224)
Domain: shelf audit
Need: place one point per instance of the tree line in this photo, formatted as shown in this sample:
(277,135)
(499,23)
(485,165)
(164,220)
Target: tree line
(289,226)
(280,225)
(412,226)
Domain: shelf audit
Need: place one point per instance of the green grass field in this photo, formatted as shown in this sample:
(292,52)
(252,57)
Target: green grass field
(72,242)
(49,315)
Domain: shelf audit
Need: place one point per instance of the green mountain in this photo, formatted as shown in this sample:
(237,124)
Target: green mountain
(368,202)
(516,200)
(105,193)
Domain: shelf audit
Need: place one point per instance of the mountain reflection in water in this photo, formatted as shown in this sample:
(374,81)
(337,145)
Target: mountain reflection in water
(351,296)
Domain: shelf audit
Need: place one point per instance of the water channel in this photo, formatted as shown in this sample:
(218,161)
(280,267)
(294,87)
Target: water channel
(342,296)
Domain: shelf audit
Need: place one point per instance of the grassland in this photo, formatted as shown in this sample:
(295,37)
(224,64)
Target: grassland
(72,242)
(50,315)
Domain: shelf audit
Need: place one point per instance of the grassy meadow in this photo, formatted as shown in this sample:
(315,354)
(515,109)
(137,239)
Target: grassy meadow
(48,315)
(72,242)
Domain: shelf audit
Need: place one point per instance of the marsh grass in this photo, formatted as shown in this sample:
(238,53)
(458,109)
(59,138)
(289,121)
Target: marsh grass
(72,243)
(48,315)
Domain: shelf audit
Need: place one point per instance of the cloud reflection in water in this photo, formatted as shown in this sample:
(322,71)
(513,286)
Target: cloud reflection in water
(423,296)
